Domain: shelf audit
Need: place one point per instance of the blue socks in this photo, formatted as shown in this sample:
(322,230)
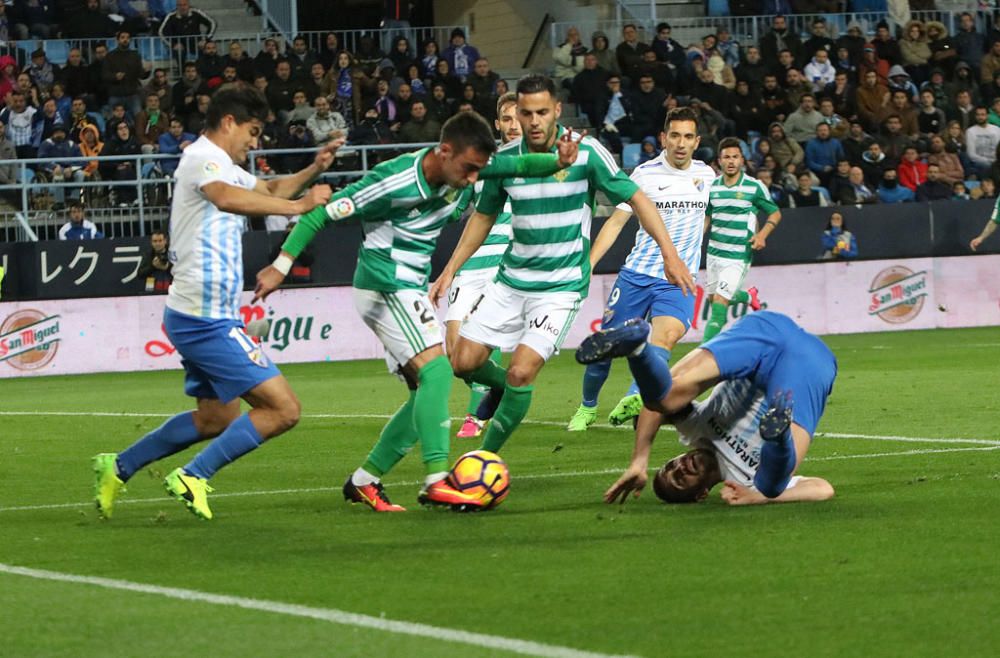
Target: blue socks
(651,372)
(172,436)
(239,438)
(777,461)
(593,380)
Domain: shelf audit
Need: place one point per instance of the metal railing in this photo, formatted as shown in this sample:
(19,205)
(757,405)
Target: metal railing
(749,29)
(282,14)
(25,220)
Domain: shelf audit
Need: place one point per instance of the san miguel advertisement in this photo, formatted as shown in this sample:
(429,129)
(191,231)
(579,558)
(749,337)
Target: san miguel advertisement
(320,324)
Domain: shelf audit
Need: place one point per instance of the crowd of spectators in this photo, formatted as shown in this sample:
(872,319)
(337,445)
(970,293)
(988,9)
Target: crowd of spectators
(895,115)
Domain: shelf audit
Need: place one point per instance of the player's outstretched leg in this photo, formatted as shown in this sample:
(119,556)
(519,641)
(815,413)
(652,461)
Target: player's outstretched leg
(720,309)
(594,377)
(113,470)
(397,438)
(646,361)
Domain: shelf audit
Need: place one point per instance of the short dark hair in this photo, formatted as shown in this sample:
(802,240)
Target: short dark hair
(730,143)
(243,103)
(680,114)
(468,130)
(158,231)
(77,204)
(535,84)
(191,65)
(121,32)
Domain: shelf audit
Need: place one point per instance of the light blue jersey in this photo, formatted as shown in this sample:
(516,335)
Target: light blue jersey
(681,197)
(206,244)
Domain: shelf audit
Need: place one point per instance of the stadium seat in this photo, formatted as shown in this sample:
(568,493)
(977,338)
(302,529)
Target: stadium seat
(718,7)
(972,184)
(630,156)
(56,50)
(825,193)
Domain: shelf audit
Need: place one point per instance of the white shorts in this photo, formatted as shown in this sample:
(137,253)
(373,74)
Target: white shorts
(725,276)
(403,320)
(464,294)
(506,318)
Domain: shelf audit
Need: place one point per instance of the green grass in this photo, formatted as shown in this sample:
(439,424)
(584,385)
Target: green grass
(901,562)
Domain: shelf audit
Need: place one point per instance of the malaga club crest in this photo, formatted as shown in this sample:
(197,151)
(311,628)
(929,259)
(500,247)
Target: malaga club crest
(699,184)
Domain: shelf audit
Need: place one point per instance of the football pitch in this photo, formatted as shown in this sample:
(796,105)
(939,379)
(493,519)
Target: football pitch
(902,561)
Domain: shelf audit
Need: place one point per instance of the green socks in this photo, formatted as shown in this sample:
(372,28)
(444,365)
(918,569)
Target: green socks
(430,413)
(397,438)
(512,410)
(716,321)
(490,374)
(741,297)
(479,390)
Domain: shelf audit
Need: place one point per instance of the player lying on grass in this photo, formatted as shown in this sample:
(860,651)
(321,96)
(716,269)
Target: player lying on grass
(679,188)
(545,274)
(723,433)
(792,369)
(403,205)
(208,212)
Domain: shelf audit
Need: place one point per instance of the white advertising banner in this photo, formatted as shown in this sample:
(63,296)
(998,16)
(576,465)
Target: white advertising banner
(320,324)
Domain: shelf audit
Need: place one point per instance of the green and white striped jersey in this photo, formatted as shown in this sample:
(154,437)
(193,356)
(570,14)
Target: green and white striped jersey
(550,220)
(486,260)
(402,216)
(733,213)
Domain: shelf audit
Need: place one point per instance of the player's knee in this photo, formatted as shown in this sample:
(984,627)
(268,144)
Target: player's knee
(824,490)
(462,363)
(519,375)
(289,414)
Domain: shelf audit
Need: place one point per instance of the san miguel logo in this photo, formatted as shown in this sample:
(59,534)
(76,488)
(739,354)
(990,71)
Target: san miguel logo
(897,294)
(29,339)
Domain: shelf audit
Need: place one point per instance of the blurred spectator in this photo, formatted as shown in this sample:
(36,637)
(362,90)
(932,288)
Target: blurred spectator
(915,50)
(856,192)
(461,57)
(935,188)
(890,191)
(369,55)
(155,267)
(981,142)
(301,109)
(123,143)
(301,58)
(438,107)
(963,112)
(605,56)
(371,130)
(838,243)
(629,52)
(312,85)
(892,139)
(569,58)
(78,118)
(42,72)
(64,104)
(870,61)
(79,227)
(420,127)
(964,79)
(796,87)
(401,54)
(900,107)
(346,81)
(838,124)
(122,72)
(874,162)
(822,153)
(752,69)
(728,48)
(451,82)
(650,149)
(819,72)
(706,89)
(9,174)
(819,40)
(936,85)
(779,38)
(943,52)
(34,18)
(776,107)
(325,124)
(185,30)
(899,80)
(328,50)
(484,80)
(948,164)
(44,122)
(853,40)
(986,190)
(195,121)
(843,63)
(384,104)
(970,44)
(267,59)
(296,137)
(804,195)
(787,152)
(429,60)
(722,73)
(8,76)
(118,115)
(91,23)
(96,85)
(667,49)
(91,146)
(801,124)
(150,123)
(747,109)
(243,63)
(210,63)
(886,47)
(159,84)
(786,62)
(959,192)
(28,88)
(778,194)
(839,179)
(930,119)
(184,95)
(174,141)
(404,101)
(138,18)
(416,80)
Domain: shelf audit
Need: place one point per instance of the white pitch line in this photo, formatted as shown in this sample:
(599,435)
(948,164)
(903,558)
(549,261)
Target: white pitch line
(332,615)
(535,476)
(545,423)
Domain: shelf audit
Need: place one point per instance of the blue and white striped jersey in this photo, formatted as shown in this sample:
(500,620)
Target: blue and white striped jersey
(206,244)
(681,197)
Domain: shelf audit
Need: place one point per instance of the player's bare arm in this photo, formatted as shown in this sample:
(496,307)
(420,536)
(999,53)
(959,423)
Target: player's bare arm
(988,230)
(634,479)
(240,201)
(806,490)
(290,186)
(476,230)
(608,235)
(759,240)
(676,271)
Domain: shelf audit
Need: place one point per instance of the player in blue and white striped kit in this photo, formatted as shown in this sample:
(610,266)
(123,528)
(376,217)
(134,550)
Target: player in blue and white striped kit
(212,197)
(679,187)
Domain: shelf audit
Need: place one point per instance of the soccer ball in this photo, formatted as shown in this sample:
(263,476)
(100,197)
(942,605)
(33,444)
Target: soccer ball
(483,474)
